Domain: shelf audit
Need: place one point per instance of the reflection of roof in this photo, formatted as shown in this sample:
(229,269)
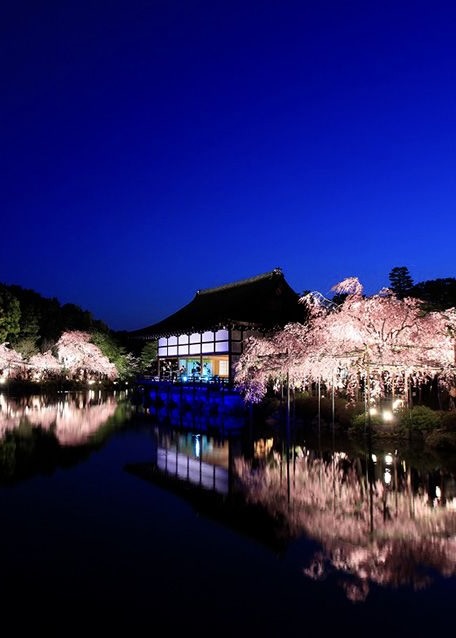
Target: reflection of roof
(263,301)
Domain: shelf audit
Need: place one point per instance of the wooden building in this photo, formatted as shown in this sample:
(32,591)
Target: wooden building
(204,339)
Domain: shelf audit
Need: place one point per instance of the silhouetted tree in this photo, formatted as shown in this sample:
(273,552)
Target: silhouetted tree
(401,283)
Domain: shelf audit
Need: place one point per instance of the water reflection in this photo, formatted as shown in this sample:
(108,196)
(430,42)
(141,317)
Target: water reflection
(35,430)
(197,458)
(378,516)
(73,418)
(200,468)
(378,520)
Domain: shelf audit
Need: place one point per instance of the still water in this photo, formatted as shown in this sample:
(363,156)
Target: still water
(111,521)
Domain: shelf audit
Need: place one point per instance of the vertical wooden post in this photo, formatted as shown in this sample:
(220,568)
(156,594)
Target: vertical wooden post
(288,437)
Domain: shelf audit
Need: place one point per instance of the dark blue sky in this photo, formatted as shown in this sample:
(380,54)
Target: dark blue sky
(152,148)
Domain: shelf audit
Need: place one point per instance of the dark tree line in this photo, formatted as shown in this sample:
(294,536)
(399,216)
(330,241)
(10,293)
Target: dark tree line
(438,294)
(31,323)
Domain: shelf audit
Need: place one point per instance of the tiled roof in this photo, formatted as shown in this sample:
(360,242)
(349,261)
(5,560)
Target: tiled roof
(264,301)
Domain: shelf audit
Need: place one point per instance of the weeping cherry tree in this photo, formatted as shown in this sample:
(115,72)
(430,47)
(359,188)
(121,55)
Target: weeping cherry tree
(379,344)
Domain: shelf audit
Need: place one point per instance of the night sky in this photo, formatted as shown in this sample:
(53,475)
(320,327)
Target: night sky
(153,148)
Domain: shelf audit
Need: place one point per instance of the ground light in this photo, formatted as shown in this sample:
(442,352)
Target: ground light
(387,416)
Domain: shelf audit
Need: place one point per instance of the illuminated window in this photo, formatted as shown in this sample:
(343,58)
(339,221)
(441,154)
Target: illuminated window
(183,339)
(162,352)
(195,348)
(223,368)
(207,347)
(195,337)
(172,341)
(172,351)
(221,335)
(221,346)
(182,349)
(162,342)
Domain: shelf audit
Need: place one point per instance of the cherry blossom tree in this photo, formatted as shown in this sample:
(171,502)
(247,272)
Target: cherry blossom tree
(77,358)
(83,359)
(11,363)
(44,367)
(379,342)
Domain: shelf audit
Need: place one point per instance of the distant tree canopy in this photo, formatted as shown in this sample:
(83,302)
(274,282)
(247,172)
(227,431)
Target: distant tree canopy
(32,325)
(439,294)
(32,322)
(10,315)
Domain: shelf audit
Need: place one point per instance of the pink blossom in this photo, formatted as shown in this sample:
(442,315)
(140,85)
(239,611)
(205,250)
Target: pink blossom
(365,339)
(83,359)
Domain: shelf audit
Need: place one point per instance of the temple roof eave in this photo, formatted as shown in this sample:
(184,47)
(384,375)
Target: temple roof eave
(227,324)
(261,301)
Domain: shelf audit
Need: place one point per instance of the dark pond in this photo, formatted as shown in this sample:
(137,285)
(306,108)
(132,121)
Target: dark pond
(113,521)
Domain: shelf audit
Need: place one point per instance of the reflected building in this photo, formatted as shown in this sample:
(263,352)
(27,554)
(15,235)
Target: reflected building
(373,521)
(202,460)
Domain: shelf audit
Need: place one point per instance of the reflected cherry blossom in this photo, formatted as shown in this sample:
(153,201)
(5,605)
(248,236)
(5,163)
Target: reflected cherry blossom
(72,418)
(369,532)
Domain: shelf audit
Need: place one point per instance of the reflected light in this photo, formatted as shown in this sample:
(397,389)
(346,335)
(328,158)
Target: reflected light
(387,477)
(197,446)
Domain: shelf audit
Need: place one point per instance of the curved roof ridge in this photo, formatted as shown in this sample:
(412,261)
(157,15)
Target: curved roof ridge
(241,282)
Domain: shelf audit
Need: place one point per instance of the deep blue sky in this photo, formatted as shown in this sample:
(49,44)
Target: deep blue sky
(152,148)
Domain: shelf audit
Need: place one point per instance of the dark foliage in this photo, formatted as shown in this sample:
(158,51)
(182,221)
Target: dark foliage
(401,283)
(439,294)
(44,319)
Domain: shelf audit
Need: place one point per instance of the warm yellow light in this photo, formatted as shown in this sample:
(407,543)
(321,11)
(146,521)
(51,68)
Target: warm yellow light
(372,411)
(387,477)
(387,416)
(374,458)
(389,459)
